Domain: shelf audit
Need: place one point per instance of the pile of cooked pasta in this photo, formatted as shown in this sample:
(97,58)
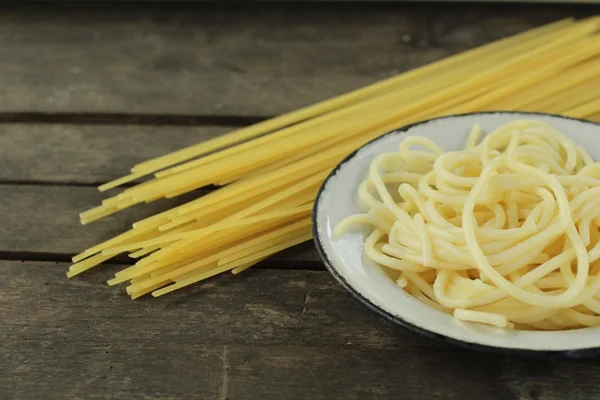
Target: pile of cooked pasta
(268,174)
(505,232)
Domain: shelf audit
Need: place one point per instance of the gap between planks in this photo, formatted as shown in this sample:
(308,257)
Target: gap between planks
(25,256)
(84,118)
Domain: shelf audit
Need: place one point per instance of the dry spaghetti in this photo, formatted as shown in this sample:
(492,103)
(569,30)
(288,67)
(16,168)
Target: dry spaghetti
(505,232)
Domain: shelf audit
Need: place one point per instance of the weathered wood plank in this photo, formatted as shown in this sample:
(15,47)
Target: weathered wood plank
(230,59)
(317,373)
(45,219)
(95,367)
(275,307)
(62,153)
(266,335)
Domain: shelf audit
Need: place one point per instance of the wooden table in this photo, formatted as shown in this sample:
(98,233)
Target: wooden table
(87,91)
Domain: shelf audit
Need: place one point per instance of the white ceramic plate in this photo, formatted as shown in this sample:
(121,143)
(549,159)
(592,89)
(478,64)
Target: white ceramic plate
(345,260)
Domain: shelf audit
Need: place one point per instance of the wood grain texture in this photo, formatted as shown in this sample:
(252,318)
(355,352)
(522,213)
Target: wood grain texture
(230,59)
(430,373)
(261,307)
(44,219)
(87,154)
(264,335)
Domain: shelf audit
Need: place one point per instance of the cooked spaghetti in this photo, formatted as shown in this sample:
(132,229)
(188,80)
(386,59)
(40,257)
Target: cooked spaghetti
(505,232)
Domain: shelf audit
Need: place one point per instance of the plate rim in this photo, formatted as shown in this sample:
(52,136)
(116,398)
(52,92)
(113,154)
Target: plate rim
(440,338)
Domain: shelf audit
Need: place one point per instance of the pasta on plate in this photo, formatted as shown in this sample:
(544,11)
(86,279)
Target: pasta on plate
(504,232)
